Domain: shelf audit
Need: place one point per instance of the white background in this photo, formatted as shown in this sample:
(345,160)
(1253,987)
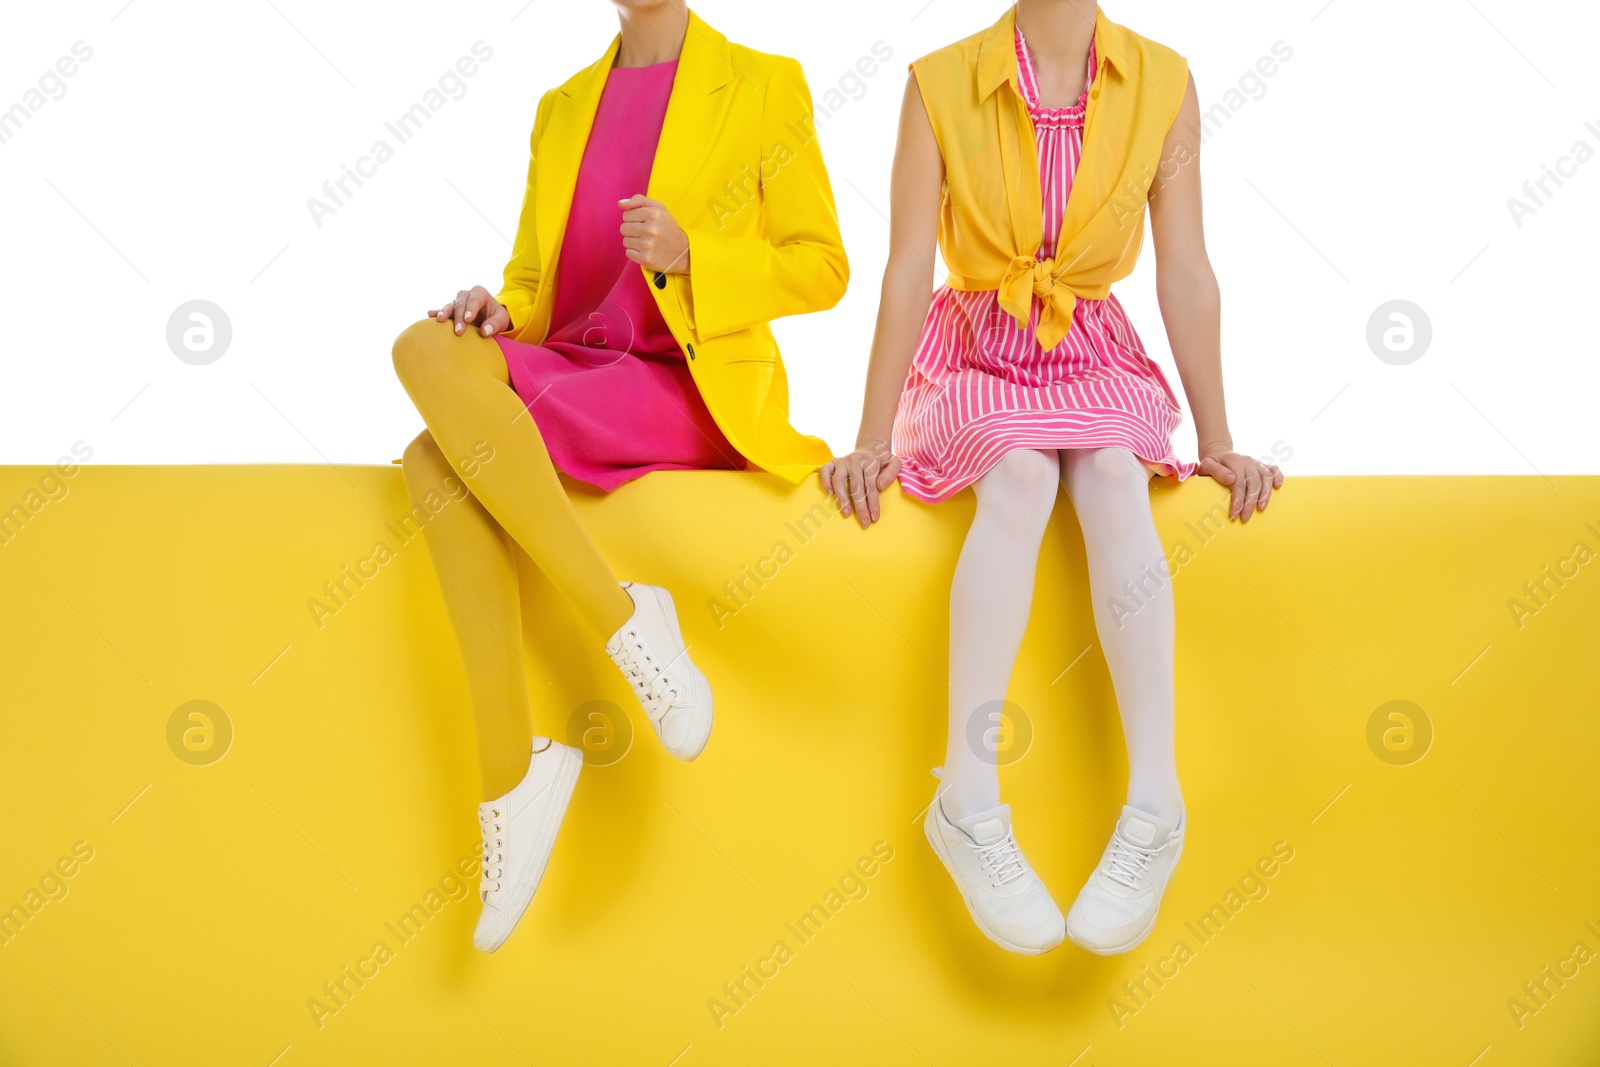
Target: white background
(1376,165)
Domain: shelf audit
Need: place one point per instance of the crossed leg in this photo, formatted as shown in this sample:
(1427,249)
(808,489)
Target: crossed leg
(478,427)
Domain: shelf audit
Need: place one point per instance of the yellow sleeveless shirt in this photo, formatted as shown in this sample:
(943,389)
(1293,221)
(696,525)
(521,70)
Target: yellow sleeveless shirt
(991,221)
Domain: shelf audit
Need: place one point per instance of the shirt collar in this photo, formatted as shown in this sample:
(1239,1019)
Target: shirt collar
(997,53)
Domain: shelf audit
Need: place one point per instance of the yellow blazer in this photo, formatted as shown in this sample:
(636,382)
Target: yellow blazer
(739,167)
(991,221)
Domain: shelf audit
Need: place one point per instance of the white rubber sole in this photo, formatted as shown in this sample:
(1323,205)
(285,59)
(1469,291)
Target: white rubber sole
(528,883)
(1138,939)
(936,840)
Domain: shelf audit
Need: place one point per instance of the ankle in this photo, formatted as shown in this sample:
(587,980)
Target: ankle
(1165,806)
(962,796)
(500,778)
(617,610)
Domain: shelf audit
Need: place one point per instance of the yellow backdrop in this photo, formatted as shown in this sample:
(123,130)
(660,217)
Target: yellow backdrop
(1365,882)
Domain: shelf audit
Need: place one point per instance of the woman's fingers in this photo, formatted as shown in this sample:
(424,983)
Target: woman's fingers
(645,225)
(830,475)
(1251,480)
(499,321)
(638,207)
(840,488)
(1214,468)
(641,241)
(1252,491)
(477,306)
(858,495)
(870,472)
(1236,504)
(888,473)
(857,482)
(475,301)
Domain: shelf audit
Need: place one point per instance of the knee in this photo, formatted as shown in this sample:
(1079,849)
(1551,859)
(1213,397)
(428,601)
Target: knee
(1108,486)
(420,348)
(428,351)
(429,355)
(1109,470)
(1020,490)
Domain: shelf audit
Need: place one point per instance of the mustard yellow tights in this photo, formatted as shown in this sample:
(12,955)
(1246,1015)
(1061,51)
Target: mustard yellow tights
(480,434)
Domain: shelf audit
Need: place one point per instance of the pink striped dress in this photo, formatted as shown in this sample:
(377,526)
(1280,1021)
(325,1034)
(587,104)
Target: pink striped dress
(980,386)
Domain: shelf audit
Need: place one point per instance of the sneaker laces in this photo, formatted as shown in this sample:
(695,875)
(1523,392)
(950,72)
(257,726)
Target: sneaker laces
(1126,863)
(652,684)
(493,849)
(1003,860)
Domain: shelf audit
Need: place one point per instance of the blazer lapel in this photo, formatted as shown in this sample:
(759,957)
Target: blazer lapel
(560,152)
(701,93)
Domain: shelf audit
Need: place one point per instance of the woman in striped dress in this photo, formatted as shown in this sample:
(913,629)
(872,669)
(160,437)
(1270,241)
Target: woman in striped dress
(1031,151)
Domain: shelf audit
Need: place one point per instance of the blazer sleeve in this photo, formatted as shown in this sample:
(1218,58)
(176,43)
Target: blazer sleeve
(799,266)
(520,290)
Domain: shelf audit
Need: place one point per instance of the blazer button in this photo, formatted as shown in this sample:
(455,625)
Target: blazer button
(661,279)
(691,351)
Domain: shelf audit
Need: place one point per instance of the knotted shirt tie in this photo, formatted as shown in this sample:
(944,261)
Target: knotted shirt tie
(1027,278)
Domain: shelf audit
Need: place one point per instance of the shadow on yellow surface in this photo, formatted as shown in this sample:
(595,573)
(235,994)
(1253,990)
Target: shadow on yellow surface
(1357,888)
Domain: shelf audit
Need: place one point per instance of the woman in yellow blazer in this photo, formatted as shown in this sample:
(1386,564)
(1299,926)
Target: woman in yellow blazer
(676,202)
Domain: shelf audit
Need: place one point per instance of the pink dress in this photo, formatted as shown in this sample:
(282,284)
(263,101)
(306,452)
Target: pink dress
(608,388)
(980,386)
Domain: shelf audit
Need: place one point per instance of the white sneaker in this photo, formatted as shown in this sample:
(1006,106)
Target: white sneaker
(1005,898)
(650,653)
(1117,907)
(519,831)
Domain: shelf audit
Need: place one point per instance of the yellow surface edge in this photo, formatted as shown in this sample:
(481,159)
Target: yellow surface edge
(208,905)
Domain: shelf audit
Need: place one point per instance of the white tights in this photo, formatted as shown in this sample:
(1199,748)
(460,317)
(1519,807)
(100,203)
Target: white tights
(993,591)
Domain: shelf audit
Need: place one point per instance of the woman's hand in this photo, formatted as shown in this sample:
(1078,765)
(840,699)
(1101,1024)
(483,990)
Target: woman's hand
(1252,480)
(475,307)
(857,479)
(652,238)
